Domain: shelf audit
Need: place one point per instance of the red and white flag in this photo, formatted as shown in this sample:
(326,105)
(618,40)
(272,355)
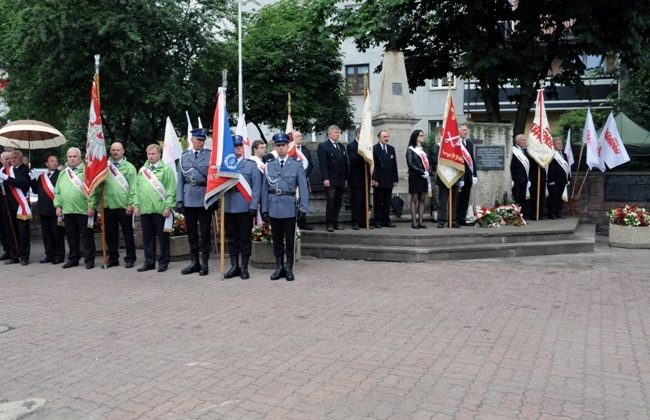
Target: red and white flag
(590,138)
(171,146)
(96,157)
(451,165)
(241,130)
(189,131)
(612,148)
(540,141)
(292,150)
(223,172)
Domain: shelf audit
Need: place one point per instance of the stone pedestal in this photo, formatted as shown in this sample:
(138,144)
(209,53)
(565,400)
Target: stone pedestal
(262,254)
(629,237)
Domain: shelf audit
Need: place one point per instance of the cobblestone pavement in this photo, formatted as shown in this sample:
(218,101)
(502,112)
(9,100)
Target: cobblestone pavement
(521,338)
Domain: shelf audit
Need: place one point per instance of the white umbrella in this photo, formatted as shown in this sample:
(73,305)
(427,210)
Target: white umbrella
(30,134)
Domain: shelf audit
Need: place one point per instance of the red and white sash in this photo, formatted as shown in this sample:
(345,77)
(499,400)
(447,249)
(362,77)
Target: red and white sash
(162,192)
(79,184)
(119,177)
(467,157)
(519,154)
(24,212)
(425,162)
(46,183)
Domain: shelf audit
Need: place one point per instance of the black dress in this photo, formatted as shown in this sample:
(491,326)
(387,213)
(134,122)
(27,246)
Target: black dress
(417,184)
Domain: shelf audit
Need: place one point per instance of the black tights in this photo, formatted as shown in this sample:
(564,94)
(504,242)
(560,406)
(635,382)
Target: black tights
(417,207)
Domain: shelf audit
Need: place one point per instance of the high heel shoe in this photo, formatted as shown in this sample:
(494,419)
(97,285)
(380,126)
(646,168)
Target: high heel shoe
(415,226)
(421,226)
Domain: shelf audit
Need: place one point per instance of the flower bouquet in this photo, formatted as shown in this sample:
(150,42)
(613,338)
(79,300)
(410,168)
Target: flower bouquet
(178,226)
(263,233)
(505,214)
(629,216)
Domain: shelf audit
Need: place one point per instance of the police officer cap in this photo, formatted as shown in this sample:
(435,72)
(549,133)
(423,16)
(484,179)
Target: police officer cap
(280,138)
(200,133)
(237,140)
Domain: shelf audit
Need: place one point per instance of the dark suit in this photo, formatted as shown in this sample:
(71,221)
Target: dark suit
(557,178)
(5,231)
(20,180)
(385,175)
(519,177)
(53,234)
(333,162)
(302,220)
(466,189)
(357,183)
(536,170)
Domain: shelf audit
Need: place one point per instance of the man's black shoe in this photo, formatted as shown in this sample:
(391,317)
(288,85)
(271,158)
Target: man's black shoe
(455,225)
(46,260)
(112,264)
(355,226)
(90,265)
(57,261)
(441,225)
(5,256)
(71,264)
(145,268)
(552,217)
(128,265)
(390,225)
(162,269)
(12,261)
(377,225)
(24,262)
(559,216)
(306,227)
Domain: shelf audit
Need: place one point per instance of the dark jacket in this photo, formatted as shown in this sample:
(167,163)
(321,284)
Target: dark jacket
(357,165)
(415,164)
(333,163)
(20,180)
(45,204)
(517,170)
(385,173)
(556,173)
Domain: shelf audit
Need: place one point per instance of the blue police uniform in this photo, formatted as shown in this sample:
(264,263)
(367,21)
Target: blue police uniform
(190,194)
(284,188)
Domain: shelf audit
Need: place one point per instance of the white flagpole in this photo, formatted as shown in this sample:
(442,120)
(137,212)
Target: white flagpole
(240,78)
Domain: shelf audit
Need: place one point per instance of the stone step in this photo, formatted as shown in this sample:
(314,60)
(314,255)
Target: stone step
(583,240)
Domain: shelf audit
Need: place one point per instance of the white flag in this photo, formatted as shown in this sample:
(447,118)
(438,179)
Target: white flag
(567,149)
(365,134)
(189,132)
(540,141)
(243,131)
(171,147)
(590,137)
(612,148)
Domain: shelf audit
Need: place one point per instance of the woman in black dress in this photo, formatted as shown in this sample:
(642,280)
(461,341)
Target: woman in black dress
(419,177)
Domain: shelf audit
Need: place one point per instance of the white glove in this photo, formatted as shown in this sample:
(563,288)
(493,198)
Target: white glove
(425,175)
(474,180)
(33,175)
(461,183)
(551,183)
(513,184)
(528,185)
(3,176)
(568,183)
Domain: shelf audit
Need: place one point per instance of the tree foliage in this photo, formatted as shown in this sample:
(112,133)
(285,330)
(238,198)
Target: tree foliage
(493,42)
(634,96)
(157,59)
(286,51)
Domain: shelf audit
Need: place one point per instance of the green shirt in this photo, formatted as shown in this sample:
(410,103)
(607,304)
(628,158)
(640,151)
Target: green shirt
(147,199)
(69,198)
(115,197)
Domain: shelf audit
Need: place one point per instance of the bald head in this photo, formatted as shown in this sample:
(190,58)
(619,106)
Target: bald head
(117,151)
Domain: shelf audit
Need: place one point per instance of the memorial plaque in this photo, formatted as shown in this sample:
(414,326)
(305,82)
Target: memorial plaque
(490,158)
(632,188)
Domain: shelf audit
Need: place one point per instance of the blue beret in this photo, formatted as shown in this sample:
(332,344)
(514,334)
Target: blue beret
(200,133)
(237,140)
(280,138)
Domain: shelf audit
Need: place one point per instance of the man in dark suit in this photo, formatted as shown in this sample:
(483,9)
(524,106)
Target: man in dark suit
(469,177)
(357,183)
(333,162)
(53,235)
(5,231)
(558,176)
(384,179)
(297,138)
(16,183)
(519,168)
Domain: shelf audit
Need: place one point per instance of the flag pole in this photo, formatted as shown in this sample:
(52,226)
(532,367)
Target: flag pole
(582,147)
(101,196)
(450,200)
(240,78)
(222,232)
(583,184)
(366,188)
(289,105)
(539,174)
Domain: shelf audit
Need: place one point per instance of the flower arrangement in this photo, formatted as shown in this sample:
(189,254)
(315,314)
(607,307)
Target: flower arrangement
(97,222)
(179,228)
(629,216)
(505,214)
(263,233)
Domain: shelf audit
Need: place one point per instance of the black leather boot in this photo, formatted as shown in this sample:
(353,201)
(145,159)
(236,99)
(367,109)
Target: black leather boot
(279,271)
(234,268)
(204,264)
(244,267)
(289,269)
(193,267)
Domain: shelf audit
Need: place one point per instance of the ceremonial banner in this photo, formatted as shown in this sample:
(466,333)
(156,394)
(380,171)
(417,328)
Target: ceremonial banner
(590,137)
(540,141)
(366,134)
(223,173)
(292,149)
(612,148)
(567,149)
(241,130)
(451,165)
(96,158)
(171,146)
(189,132)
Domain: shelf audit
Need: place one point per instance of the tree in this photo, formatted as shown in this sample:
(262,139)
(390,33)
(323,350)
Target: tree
(494,42)
(157,59)
(285,51)
(633,97)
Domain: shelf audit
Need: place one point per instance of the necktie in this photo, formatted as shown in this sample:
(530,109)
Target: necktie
(383,147)
(281,164)
(49,174)
(299,147)
(153,167)
(196,155)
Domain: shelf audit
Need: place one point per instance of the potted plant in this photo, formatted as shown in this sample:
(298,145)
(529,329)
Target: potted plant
(178,243)
(629,227)
(262,255)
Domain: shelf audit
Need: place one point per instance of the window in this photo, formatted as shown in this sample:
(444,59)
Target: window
(434,127)
(593,62)
(354,78)
(439,84)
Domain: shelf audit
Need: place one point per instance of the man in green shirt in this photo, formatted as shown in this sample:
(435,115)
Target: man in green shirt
(119,189)
(154,199)
(72,203)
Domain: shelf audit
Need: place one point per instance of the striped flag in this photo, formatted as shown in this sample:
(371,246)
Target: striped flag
(451,165)
(96,157)
(223,173)
(292,150)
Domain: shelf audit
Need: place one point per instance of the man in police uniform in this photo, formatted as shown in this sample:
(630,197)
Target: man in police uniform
(239,212)
(190,194)
(284,182)
(119,189)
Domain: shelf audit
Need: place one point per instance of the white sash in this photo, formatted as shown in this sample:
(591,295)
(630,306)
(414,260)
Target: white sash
(258,161)
(567,169)
(23,212)
(119,177)
(519,154)
(162,192)
(78,183)
(467,157)
(425,163)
